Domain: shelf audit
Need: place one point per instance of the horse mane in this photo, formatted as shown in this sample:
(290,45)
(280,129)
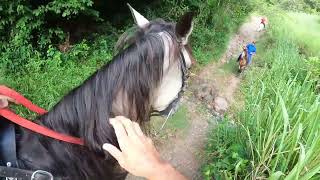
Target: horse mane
(121,87)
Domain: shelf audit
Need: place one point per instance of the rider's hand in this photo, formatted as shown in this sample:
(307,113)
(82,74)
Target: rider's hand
(4,101)
(138,154)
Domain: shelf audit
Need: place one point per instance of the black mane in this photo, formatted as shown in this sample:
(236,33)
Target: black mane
(124,86)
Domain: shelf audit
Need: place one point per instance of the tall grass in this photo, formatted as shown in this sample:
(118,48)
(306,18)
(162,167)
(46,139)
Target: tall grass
(277,135)
(306,30)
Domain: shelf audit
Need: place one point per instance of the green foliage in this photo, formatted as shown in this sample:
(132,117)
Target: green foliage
(313,64)
(46,81)
(216,21)
(25,31)
(226,158)
(310,6)
(279,128)
(179,119)
(307,37)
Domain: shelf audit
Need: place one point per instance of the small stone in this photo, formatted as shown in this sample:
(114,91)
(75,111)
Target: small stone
(213,92)
(220,105)
(208,98)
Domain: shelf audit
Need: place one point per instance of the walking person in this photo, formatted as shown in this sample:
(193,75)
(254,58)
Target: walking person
(262,24)
(251,50)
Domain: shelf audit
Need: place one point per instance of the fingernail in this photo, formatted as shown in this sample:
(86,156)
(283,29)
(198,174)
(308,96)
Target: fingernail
(112,120)
(105,146)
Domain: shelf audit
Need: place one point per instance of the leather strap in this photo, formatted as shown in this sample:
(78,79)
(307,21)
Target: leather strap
(21,100)
(38,128)
(29,124)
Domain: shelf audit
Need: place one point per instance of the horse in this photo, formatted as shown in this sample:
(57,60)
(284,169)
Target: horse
(242,59)
(148,74)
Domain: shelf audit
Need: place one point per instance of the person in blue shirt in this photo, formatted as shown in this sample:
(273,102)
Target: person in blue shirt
(251,51)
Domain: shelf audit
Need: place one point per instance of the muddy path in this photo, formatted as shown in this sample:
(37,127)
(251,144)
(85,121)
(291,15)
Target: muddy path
(210,93)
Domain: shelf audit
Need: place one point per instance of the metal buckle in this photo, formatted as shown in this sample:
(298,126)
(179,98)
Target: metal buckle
(11,178)
(41,172)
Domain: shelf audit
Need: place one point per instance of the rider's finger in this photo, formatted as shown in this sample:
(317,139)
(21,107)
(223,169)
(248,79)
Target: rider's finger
(138,129)
(115,152)
(2,97)
(120,132)
(128,125)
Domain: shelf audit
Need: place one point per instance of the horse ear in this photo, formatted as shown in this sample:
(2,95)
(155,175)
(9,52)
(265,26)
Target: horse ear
(138,18)
(184,27)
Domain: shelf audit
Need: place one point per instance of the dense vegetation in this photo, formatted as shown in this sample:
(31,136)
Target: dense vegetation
(49,47)
(46,49)
(277,134)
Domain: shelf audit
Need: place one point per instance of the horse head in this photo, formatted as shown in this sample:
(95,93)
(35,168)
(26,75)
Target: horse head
(177,55)
(147,74)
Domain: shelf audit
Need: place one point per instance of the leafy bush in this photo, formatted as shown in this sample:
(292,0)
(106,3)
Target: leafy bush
(310,6)
(25,30)
(47,81)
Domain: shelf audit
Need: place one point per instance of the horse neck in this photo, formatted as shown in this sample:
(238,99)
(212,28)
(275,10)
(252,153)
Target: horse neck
(36,152)
(85,111)
(122,87)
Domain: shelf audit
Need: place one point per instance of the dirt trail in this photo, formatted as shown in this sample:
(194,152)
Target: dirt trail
(210,93)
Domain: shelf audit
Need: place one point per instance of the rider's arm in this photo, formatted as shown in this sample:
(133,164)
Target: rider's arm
(138,154)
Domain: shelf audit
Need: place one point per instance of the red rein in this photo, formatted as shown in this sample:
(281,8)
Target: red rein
(29,124)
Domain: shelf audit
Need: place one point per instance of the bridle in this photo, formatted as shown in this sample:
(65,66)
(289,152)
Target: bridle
(184,69)
(174,104)
(9,167)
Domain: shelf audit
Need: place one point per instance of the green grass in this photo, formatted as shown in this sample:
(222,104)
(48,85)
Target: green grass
(231,66)
(178,121)
(306,30)
(277,135)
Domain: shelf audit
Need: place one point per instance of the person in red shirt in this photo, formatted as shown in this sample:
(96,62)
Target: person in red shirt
(262,24)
